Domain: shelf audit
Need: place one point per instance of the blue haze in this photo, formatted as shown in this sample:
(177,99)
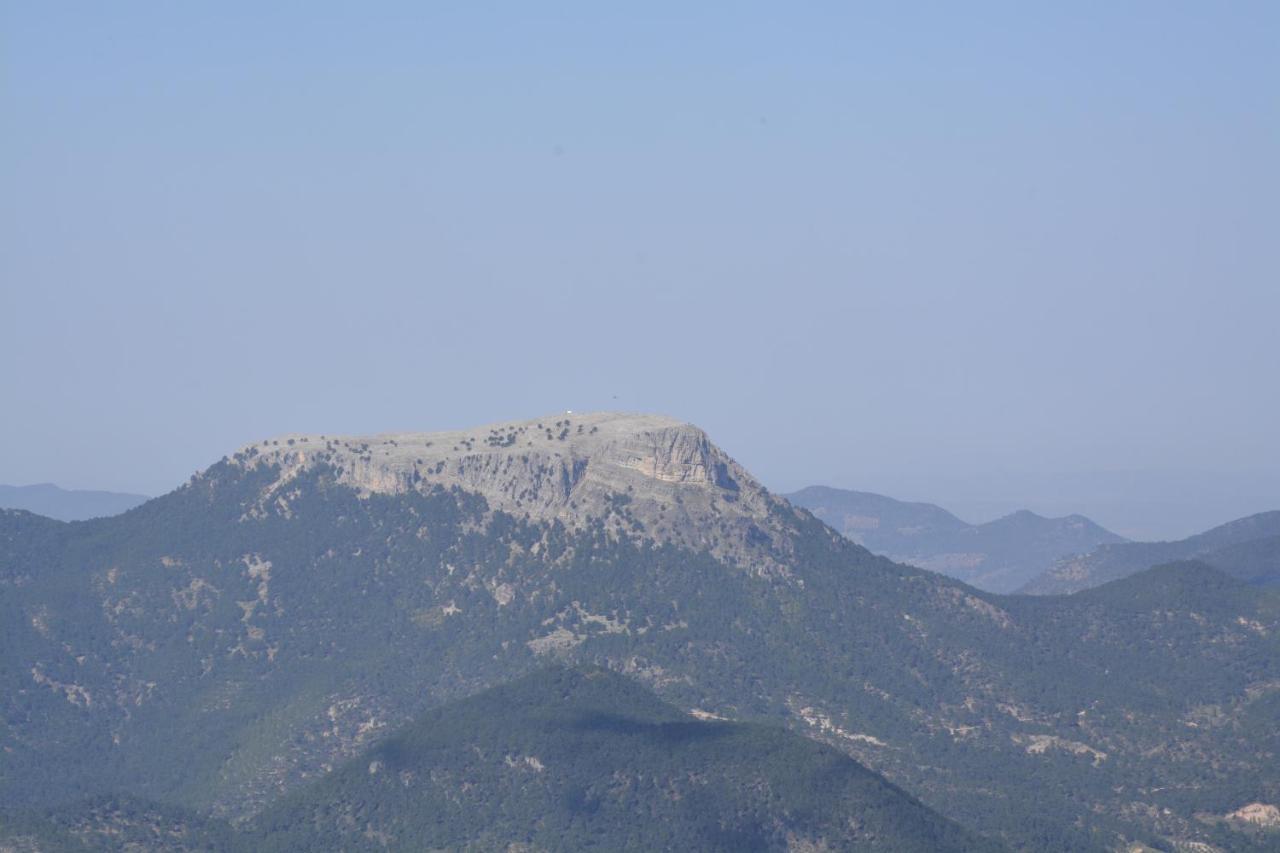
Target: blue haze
(987,254)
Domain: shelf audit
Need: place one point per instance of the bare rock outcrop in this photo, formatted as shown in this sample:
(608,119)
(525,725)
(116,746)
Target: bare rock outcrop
(1263,815)
(654,478)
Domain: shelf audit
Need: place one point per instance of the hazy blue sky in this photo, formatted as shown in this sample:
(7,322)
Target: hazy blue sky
(992,254)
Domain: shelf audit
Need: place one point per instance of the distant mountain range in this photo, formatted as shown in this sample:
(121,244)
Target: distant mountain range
(999,556)
(67,504)
(230,648)
(1248,548)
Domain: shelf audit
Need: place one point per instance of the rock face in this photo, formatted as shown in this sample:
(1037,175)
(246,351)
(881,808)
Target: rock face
(646,475)
(1259,814)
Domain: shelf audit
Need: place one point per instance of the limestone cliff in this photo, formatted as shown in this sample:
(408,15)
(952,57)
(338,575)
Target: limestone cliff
(653,478)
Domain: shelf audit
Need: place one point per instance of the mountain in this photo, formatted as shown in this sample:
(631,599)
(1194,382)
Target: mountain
(563,759)
(1256,562)
(66,504)
(231,642)
(998,556)
(1248,548)
(559,759)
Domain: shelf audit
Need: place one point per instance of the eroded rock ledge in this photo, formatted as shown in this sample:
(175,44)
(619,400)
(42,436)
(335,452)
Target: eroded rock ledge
(649,476)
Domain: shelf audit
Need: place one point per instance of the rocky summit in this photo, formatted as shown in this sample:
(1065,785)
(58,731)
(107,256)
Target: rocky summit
(677,487)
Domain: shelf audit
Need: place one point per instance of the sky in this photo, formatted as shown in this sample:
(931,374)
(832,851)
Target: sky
(991,255)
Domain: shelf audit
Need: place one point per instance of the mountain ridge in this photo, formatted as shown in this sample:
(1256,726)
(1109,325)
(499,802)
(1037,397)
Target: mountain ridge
(998,555)
(681,487)
(1246,547)
(584,758)
(561,758)
(62,504)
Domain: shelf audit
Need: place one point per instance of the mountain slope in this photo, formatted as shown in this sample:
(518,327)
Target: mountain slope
(113,824)
(66,504)
(1247,548)
(563,759)
(998,556)
(1256,562)
(560,759)
(243,635)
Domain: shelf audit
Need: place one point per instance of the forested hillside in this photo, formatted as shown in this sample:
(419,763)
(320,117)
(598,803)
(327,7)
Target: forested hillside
(1247,548)
(562,759)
